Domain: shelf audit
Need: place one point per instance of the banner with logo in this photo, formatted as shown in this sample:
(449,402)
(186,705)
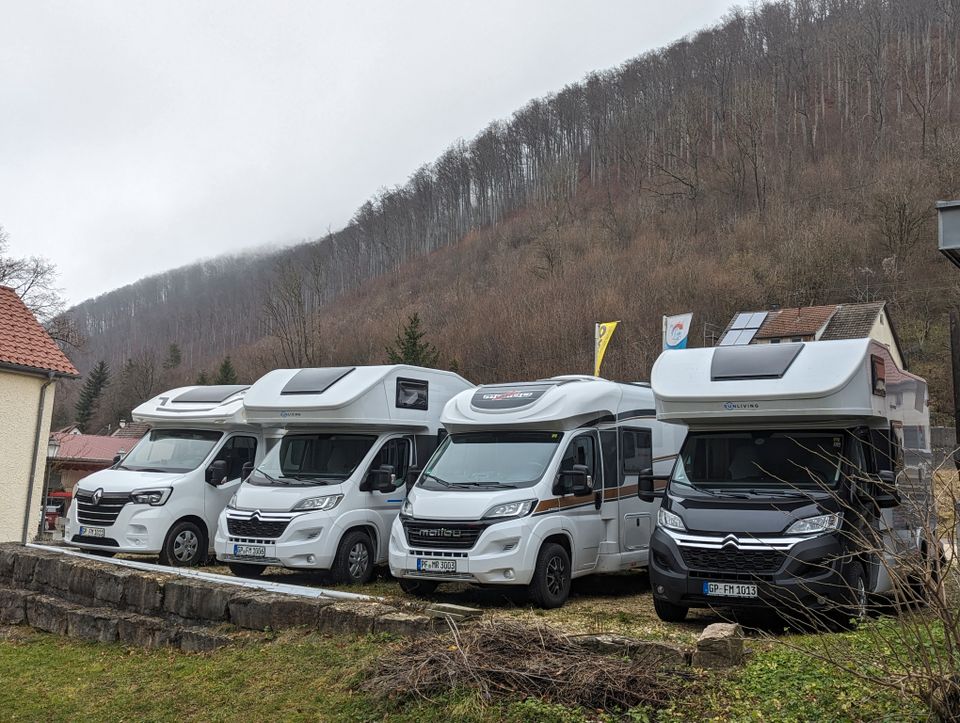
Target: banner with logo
(676,330)
(601,337)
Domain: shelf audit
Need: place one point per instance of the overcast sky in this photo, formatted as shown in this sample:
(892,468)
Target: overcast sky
(136,137)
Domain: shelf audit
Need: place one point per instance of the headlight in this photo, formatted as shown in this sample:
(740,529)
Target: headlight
(669,521)
(816,525)
(511,509)
(315,504)
(407,509)
(232,504)
(151,497)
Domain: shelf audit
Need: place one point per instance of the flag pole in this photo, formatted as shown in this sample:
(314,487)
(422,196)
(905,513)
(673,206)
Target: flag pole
(596,345)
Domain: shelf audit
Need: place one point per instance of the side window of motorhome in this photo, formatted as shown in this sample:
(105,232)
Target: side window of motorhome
(412,394)
(637,450)
(396,453)
(236,453)
(582,450)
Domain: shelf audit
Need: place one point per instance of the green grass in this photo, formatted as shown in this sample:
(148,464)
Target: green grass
(315,677)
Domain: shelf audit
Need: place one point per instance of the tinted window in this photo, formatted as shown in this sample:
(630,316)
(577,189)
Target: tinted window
(236,453)
(396,453)
(314,458)
(412,393)
(171,450)
(582,451)
(637,450)
(489,459)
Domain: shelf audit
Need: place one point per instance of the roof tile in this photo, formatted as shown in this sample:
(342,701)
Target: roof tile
(24,342)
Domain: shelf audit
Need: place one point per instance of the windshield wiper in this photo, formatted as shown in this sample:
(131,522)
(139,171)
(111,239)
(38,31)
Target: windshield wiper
(273,479)
(147,469)
(486,484)
(773,492)
(436,479)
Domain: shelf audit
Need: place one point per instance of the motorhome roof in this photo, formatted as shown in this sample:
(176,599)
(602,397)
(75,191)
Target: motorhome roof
(370,396)
(562,402)
(829,379)
(215,404)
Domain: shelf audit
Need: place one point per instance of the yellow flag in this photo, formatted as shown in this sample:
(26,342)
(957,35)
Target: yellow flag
(601,338)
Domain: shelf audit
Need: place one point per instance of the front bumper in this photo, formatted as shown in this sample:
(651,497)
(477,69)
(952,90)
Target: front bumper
(308,540)
(807,575)
(504,554)
(138,529)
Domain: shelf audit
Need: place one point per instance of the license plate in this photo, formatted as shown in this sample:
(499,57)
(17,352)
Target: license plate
(729,589)
(93,532)
(249,551)
(436,565)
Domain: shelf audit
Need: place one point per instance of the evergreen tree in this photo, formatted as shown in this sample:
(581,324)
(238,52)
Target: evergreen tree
(202,378)
(410,347)
(226,374)
(174,357)
(97,380)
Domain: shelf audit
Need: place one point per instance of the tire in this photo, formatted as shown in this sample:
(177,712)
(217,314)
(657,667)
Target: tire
(242,569)
(353,564)
(418,588)
(853,610)
(550,586)
(668,612)
(185,546)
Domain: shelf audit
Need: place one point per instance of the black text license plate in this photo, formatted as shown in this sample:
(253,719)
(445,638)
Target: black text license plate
(249,551)
(436,565)
(729,589)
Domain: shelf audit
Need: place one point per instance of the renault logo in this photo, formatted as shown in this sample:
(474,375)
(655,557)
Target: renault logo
(97,496)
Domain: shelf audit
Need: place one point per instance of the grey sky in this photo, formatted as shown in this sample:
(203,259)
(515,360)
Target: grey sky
(136,137)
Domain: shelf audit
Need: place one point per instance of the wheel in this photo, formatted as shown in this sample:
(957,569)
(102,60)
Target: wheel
(353,564)
(668,612)
(550,586)
(242,569)
(853,610)
(419,588)
(185,546)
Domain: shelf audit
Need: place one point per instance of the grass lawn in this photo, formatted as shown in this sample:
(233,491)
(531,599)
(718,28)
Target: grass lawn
(313,677)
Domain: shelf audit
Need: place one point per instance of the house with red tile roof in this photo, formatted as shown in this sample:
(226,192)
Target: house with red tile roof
(816,323)
(31,364)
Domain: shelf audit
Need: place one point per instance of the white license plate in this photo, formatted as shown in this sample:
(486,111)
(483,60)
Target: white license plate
(729,589)
(93,532)
(436,565)
(249,551)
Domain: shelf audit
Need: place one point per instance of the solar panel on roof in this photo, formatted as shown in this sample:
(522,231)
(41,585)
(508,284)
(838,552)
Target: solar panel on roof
(215,394)
(315,381)
(743,328)
(760,361)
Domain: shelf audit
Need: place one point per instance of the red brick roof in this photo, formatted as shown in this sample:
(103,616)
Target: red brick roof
(132,430)
(24,343)
(91,447)
(801,321)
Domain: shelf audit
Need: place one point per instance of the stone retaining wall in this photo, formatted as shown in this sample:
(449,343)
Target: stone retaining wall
(102,601)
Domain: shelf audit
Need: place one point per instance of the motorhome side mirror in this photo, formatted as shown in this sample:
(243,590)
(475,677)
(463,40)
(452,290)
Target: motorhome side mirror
(246,470)
(886,494)
(645,490)
(217,473)
(576,481)
(411,477)
(382,479)
(116,459)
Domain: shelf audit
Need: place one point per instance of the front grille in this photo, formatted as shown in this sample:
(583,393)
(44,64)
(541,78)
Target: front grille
(730,559)
(103,514)
(102,541)
(255,527)
(447,535)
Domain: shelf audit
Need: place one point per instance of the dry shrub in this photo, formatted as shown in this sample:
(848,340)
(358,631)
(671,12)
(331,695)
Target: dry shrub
(510,659)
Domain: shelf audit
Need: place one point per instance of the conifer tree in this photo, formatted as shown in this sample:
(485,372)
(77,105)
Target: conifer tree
(410,347)
(226,374)
(97,380)
(174,357)
(202,378)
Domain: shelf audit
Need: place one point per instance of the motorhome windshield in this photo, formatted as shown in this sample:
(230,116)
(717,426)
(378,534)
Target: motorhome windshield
(313,459)
(760,459)
(481,460)
(171,450)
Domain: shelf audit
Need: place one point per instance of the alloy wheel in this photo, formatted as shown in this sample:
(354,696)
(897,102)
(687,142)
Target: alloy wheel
(358,560)
(556,575)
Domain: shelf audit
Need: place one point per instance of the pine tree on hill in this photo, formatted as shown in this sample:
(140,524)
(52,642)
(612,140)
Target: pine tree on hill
(226,374)
(202,378)
(410,347)
(174,357)
(97,380)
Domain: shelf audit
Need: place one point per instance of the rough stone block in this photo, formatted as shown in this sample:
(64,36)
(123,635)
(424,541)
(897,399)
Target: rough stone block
(48,613)
(720,645)
(13,606)
(407,624)
(146,632)
(24,566)
(93,624)
(200,640)
(109,585)
(357,618)
(654,654)
(143,593)
(196,600)
(456,613)
(52,574)
(260,611)
(8,555)
(82,581)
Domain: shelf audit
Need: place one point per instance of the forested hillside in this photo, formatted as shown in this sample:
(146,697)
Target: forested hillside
(790,155)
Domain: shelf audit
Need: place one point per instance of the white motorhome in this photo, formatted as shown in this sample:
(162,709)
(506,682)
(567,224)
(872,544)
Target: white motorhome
(325,496)
(165,496)
(797,456)
(536,484)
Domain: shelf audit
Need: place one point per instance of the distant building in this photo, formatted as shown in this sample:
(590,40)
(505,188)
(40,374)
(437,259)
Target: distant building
(30,365)
(74,456)
(130,430)
(815,323)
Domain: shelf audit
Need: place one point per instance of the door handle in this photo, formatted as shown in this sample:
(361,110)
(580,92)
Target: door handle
(598,499)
